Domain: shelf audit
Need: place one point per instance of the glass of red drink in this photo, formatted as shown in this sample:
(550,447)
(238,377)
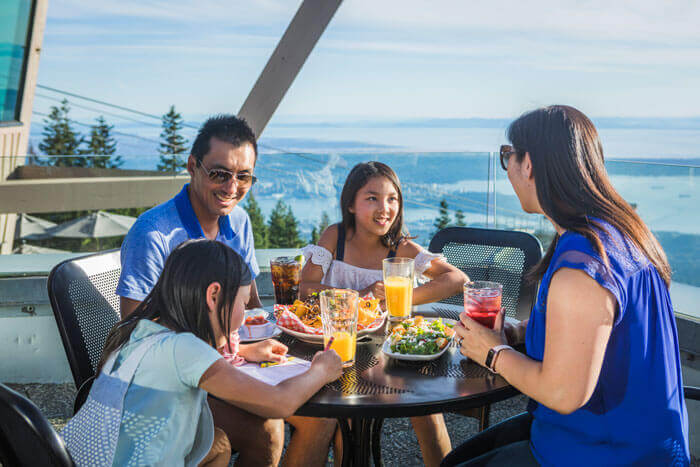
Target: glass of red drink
(482,301)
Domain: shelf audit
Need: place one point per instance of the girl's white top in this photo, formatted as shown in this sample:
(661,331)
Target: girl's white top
(343,275)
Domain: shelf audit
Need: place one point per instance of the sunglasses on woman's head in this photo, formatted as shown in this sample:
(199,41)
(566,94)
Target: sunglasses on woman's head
(507,151)
(220,176)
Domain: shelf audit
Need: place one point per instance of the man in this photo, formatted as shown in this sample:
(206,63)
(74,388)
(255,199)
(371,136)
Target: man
(221,168)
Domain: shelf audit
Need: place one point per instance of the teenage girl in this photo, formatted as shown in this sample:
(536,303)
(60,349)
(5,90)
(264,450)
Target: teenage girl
(349,255)
(164,419)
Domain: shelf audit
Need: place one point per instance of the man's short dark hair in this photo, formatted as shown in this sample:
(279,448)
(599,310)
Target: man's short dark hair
(227,128)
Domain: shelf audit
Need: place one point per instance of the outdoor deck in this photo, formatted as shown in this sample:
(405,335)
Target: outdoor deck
(399,444)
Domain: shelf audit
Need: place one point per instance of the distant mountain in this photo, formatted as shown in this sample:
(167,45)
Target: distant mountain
(687,123)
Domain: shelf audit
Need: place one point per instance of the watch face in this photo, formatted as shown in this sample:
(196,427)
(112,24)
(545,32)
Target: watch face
(489,359)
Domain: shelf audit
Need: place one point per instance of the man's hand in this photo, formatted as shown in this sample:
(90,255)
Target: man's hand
(268,350)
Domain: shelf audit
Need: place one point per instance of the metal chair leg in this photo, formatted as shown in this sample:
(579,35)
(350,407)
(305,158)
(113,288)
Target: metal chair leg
(484,417)
(347,442)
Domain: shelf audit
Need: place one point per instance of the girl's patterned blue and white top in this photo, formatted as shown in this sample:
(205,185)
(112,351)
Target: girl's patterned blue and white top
(166,418)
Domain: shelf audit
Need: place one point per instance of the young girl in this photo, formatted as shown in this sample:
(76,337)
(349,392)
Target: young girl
(149,402)
(350,254)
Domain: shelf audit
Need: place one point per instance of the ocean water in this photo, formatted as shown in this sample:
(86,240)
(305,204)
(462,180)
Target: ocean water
(306,166)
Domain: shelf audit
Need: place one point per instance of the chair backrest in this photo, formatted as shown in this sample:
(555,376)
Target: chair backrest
(82,295)
(26,436)
(502,256)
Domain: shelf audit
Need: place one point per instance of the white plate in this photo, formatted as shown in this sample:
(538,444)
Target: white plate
(302,336)
(270,329)
(318,339)
(386,348)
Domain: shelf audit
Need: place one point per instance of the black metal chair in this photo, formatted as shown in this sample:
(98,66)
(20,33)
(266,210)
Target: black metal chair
(502,256)
(82,295)
(26,436)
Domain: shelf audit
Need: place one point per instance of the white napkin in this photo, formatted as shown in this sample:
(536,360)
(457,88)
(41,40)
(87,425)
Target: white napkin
(275,374)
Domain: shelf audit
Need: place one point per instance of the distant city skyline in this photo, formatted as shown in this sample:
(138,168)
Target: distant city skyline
(389,60)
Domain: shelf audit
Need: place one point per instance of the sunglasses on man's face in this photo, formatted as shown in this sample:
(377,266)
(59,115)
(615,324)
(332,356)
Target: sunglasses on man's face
(220,176)
(507,152)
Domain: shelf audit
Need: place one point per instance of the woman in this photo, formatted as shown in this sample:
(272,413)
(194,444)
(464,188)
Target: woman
(602,367)
(350,254)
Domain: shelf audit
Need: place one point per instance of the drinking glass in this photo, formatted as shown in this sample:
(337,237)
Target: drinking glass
(482,301)
(398,287)
(339,318)
(286,274)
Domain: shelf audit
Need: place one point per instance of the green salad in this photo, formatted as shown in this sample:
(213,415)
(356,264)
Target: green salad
(418,336)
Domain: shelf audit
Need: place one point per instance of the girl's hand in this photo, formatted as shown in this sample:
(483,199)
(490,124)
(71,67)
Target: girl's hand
(477,340)
(329,364)
(377,290)
(268,350)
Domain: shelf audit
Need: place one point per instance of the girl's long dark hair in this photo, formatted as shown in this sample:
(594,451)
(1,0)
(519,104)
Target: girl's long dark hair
(178,300)
(573,186)
(357,178)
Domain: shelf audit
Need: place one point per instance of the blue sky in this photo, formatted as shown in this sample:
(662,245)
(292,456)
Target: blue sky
(383,59)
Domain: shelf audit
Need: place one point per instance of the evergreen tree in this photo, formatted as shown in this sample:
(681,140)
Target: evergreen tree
(325,222)
(102,146)
(257,222)
(276,226)
(172,145)
(59,138)
(459,218)
(33,158)
(293,239)
(283,228)
(443,219)
(314,236)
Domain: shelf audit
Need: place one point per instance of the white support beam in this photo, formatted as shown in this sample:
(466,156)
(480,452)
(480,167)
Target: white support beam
(14,139)
(286,61)
(75,194)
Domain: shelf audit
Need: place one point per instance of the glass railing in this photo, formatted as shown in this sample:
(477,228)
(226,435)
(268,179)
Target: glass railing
(474,188)
(666,194)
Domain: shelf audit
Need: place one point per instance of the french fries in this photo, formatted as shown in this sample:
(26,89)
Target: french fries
(309,311)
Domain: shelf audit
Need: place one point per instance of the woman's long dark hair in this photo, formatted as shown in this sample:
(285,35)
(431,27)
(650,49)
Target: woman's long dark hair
(178,300)
(572,184)
(357,178)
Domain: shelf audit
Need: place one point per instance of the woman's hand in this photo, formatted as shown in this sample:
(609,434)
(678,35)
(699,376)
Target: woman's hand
(268,350)
(476,340)
(377,290)
(329,364)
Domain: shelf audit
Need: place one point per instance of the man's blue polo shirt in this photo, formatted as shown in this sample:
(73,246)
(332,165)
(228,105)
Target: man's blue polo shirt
(159,230)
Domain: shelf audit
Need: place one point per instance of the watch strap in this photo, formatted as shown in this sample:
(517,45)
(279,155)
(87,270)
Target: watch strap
(491,356)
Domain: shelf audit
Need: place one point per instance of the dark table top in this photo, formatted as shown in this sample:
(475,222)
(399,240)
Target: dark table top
(382,387)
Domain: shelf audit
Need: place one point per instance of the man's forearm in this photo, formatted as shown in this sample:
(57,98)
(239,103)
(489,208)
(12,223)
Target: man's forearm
(254,301)
(127,306)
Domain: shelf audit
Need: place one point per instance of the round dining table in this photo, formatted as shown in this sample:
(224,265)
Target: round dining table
(377,387)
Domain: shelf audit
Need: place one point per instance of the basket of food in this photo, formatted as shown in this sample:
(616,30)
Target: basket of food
(302,319)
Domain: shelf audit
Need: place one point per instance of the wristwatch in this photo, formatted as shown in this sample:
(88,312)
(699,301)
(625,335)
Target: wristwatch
(491,356)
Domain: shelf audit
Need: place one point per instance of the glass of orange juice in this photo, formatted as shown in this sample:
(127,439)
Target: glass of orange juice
(339,317)
(398,287)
